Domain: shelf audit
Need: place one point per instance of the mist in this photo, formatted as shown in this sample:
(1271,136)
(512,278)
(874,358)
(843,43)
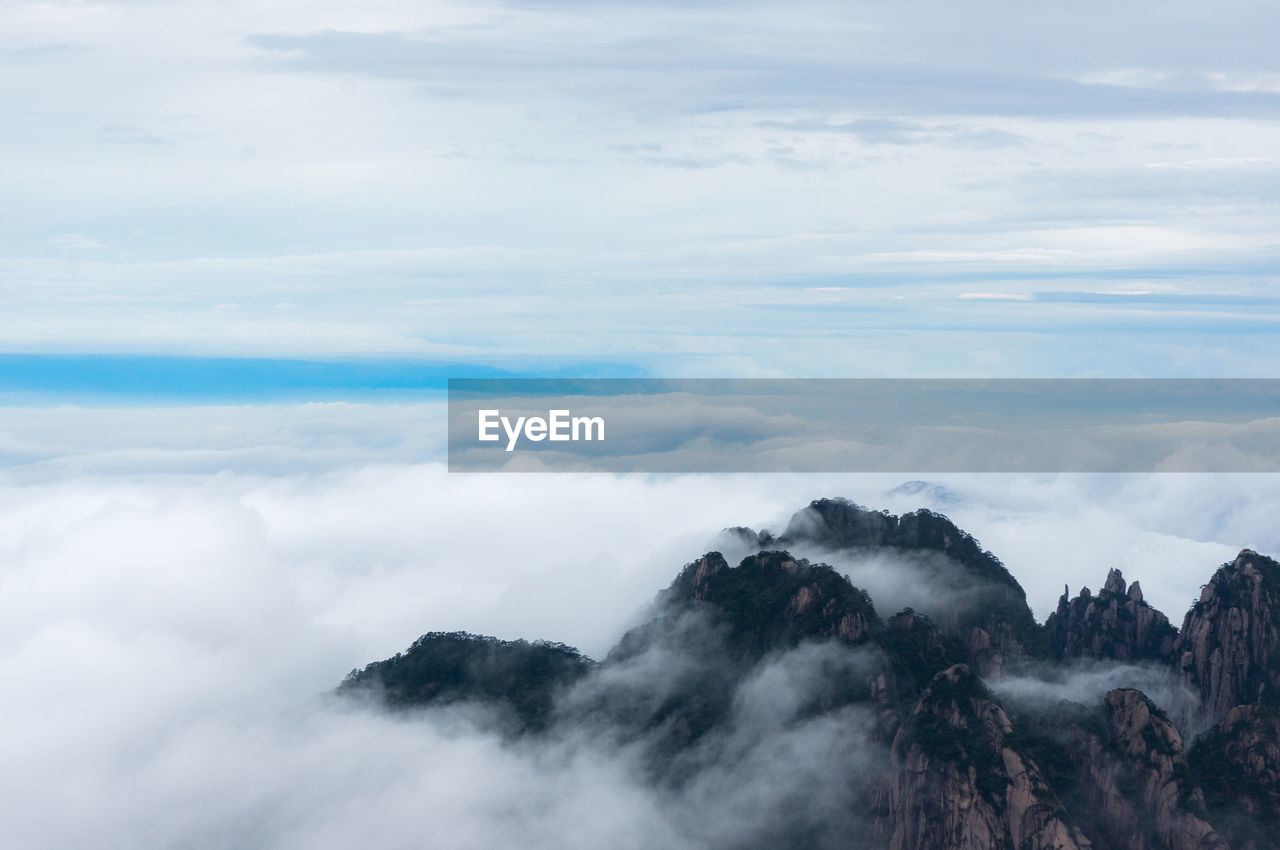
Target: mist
(171,637)
(1086,682)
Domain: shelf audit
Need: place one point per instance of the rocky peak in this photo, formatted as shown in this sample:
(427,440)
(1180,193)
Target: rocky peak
(838,524)
(1121,771)
(954,766)
(1116,624)
(701,572)
(991,617)
(521,679)
(1237,763)
(1152,761)
(742,537)
(1229,645)
(916,651)
(711,628)
(959,778)
(772,600)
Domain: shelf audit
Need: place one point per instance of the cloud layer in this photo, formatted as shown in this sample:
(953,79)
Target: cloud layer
(169,634)
(696,188)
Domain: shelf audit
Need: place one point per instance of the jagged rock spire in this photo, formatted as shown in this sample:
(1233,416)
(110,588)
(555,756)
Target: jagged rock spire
(1116,625)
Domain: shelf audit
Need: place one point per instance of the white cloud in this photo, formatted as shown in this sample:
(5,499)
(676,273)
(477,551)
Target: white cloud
(168,629)
(393,173)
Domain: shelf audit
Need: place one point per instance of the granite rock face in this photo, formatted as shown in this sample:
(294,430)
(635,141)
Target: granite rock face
(1120,768)
(1116,624)
(1237,763)
(1229,646)
(1146,754)
(960,780)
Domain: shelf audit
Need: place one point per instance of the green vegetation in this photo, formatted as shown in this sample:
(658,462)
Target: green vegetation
(772,601)
(842,525)
(916,652)
(445,667)
(952,725)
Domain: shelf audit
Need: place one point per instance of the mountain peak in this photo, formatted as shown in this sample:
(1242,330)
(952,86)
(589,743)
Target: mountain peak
(1229,645)
(521,678)
(772,600)
(1116,625)
(774,638)
(988,613)
(839,524)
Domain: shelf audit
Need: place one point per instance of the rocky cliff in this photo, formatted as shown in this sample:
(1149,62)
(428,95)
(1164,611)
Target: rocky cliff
(1229,646)
(1237,763)
(1116,624)
(1120,768)
(778,675)
(960,780)
(771,600)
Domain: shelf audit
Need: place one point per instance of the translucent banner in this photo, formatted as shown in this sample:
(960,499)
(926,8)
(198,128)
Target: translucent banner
(837,425)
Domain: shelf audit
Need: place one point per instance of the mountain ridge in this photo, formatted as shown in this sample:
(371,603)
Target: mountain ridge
(957,766)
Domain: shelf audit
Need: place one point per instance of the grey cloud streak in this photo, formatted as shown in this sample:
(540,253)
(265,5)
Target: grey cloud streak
(707,76)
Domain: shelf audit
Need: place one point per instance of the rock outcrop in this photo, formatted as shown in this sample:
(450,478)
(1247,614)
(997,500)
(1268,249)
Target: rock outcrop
(772,601)
(1117,625)
(978,601)
(715,623)
(520,679)
(742,675)
(1147,755)
(1121,770)
(916,651)
(1237,763)
(959,779)
(1229,646)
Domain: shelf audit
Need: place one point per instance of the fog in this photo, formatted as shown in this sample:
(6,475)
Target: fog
(170,639)
(1086,682)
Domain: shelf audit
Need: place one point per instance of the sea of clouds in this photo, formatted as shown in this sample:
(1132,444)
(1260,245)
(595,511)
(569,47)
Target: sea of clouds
(181,589)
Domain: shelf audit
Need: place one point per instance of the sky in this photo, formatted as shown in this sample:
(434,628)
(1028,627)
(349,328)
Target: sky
(243,245)
(693,189)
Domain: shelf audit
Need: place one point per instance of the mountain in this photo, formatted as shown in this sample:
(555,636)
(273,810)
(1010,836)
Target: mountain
(1120,768)
(773,694)
(916,652)
(1229,646)
(771,600)
(1116,624)
(521,679)
(712,627)
(966,590)
(959,778)
(1237,763)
